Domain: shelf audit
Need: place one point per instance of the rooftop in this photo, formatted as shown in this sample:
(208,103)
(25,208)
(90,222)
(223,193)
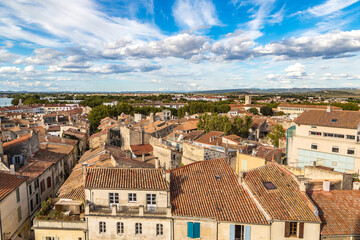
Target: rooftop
(339,211)
(9,183)
(210,189)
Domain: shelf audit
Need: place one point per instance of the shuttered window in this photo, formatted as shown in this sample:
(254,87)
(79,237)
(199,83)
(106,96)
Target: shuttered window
(240,232)
(291,229)
(193,230)
(301,230)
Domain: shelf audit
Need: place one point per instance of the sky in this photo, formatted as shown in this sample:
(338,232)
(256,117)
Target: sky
(178,45)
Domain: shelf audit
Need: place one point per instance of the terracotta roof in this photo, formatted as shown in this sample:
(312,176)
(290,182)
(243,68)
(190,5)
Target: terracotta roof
(210,189)
(211,138)
(35,169)
(187,126)
(339,211)
(193,135)
(57,148)
(9,183)
(233,137)
(267,153)
(46,155)
(75,133)
(337,119)
(286,202)
(321,107)
(54,128)
(126,178)
(141,149)
(16,142)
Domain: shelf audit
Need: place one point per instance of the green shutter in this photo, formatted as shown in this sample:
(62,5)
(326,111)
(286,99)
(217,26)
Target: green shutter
(190,230)
(196,230)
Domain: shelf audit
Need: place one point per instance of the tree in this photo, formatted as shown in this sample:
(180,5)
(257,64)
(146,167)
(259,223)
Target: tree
(266,111)
(281,113)
(276,134)
(253,110)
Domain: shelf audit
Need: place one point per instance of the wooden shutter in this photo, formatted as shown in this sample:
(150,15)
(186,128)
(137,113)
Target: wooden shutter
(196,230)
(190,230)
(287,229)
(301,230)
(247,232)
(232,232)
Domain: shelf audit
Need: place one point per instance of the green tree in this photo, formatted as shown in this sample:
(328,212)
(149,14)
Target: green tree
(276,134)
(253,110)
(266,111)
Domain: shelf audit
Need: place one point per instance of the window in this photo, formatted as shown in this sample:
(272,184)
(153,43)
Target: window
(132,197)
(114,198)
(36,183)
(291,229)
(138,228)
(57,179)
(49,182)
(351,151)
(31,205)
(334,120)
(17,159)
(315,133)
(314,146)
(19,214)
(335,149)
(269,185)
(193,230)
(159,229)
(334,135)
(102,227)
(119,227)
(30,190)
(17,195)
(49,238)
(352,137)
(37,199)
(239,232)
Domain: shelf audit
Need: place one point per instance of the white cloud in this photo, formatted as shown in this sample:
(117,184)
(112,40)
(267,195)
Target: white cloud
(29,69)
(330,6)
(77,21)
(195,13)
(9,70)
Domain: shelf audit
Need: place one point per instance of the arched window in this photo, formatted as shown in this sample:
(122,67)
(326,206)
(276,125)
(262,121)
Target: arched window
(138,228)
(102,227)
(159,229)
(120,227)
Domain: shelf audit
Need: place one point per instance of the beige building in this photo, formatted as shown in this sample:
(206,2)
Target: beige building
(298,109)
(130,204)
(15,223)
(328,138)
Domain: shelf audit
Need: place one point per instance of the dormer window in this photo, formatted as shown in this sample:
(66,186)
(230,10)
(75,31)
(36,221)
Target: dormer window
(334,120)
(269,185)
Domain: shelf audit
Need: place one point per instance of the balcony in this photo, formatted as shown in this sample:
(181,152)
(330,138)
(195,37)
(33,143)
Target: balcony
(127,211)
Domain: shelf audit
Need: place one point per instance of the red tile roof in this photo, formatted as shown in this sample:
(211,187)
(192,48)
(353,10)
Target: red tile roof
(141,149)
(210,189)
(126,178)
(16,142)
(211,138)
(339,211)
(9,183)
(35,169)
(286,202)
(344,119)
(187,126)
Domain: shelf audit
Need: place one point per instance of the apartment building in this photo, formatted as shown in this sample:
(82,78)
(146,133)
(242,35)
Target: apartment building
(128,203)
(15,223)
(329,138)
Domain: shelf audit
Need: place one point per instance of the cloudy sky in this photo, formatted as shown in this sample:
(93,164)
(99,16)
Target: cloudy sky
(178,45)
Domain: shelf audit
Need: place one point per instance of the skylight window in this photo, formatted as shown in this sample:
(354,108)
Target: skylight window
(334,120)
(269,185)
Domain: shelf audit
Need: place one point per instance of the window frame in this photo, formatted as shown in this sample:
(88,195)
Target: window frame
(132,197)
(120,228)
(293,229)
(138,228)
(159,229)
(335,147)
(314,144)
(113,198)
(102,227)
(351,149)
(18,195)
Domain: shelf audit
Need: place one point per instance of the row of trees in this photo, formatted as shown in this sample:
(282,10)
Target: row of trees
(240,126)
(203,107)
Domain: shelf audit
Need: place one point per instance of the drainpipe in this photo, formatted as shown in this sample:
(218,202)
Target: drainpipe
(271,221)
(217,230)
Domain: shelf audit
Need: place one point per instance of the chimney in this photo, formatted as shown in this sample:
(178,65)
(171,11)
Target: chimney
(241,177)
(83,171)
(12,169)
(328,109)
(143,157)
(314,163)
(156,162)
(326,186)
(167,176)
(304,184)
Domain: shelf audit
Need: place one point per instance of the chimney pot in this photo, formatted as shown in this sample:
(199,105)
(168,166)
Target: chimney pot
(326,186)
(12,169)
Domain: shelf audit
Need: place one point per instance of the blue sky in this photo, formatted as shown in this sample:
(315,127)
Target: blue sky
(178,45)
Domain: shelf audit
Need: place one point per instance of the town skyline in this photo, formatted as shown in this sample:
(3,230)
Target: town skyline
(178,45)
